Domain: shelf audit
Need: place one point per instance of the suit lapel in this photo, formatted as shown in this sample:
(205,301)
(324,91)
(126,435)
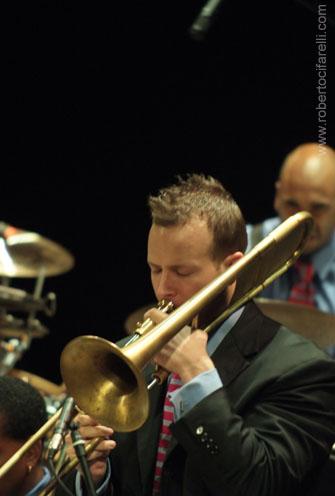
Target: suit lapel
(251,333)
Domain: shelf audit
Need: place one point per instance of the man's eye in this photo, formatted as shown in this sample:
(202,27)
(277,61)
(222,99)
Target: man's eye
(319,208)
(292,204)
(183,273)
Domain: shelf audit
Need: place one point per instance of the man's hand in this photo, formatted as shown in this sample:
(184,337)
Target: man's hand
(186,353)
(90,429)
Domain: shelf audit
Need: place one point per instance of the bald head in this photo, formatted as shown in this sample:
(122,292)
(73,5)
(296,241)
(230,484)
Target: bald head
(307,182)
(313,161)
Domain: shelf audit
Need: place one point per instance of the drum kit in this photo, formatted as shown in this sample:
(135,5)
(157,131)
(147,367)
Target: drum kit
(25,254)
(309,322)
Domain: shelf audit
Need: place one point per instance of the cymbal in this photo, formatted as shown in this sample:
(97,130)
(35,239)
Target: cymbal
(11,327)
(27,254)
(135,317)
(43,385)
(309,322)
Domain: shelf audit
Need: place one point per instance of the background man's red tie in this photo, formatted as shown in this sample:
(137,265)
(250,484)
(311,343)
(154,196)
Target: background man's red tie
(165,434)
(303,290)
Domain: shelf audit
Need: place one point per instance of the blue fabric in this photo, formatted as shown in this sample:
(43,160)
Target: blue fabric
(41,484)
(323,262)
(103,486)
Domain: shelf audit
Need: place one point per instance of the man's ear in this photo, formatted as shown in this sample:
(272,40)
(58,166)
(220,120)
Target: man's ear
(34,454)
(276,197)
(232,258)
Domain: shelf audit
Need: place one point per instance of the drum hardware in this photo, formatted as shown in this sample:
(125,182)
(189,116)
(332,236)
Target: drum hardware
(107,382)
(16,335)
(26,254)
(11,326)
(19,300)
(11,351)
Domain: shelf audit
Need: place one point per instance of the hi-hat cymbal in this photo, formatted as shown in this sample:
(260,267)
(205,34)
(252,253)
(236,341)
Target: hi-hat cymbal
(136,316)
(27,254)
(44,386)
(307,321)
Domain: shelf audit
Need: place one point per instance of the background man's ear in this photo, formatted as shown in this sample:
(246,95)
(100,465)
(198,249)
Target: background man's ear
(34,454)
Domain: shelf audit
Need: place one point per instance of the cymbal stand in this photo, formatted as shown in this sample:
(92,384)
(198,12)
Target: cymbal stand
(32,322)
(11,350)
(17,346)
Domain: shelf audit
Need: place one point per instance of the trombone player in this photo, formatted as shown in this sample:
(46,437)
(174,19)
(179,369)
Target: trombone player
(249,410)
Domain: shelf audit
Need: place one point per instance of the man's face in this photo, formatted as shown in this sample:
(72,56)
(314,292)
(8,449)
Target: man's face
(313,195)
(180,260)
(12,482)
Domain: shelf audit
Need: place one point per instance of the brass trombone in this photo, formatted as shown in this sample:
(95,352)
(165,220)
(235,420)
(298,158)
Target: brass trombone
(107,381)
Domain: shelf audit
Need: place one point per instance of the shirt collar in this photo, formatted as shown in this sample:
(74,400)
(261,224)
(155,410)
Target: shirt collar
(323,259)
(223,330)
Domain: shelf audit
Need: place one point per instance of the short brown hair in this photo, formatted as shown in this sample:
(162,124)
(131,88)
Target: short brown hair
(204,197)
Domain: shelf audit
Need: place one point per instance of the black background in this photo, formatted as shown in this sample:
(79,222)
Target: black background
(106,102)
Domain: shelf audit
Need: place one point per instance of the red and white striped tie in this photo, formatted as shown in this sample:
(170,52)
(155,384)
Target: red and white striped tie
(303,290)
(165,434)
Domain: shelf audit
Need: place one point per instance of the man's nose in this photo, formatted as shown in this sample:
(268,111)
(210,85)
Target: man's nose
(165,288)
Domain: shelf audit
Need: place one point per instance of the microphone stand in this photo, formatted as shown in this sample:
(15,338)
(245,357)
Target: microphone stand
(79,446)
(204,19)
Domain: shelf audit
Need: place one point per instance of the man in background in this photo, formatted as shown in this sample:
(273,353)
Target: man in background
(306,181)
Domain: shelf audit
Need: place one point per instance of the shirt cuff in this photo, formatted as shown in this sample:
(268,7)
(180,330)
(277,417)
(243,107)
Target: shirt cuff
(191,393)
(102,487)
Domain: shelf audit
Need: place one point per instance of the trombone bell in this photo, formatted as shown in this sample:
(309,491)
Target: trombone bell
(106,384)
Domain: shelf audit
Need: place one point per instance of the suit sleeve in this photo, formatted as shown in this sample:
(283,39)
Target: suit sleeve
(275,440)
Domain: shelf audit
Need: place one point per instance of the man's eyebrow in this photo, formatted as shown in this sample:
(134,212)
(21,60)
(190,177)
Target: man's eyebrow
(320,203)
(175,266)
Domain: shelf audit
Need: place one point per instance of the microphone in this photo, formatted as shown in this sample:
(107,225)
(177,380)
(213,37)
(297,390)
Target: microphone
(204,20)
(61,425)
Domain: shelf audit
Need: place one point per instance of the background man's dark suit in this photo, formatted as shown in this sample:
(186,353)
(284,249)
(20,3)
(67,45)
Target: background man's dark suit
(242,439)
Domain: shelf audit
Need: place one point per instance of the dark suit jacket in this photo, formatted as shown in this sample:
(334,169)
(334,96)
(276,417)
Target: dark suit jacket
(267,432)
